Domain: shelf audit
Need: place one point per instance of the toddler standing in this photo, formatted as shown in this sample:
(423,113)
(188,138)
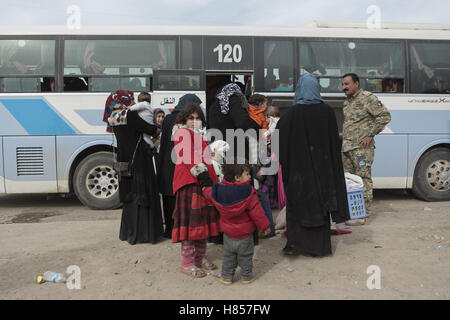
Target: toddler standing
(240,214)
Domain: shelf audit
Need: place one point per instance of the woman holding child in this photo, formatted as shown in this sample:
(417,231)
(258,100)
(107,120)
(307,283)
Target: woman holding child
(141,214)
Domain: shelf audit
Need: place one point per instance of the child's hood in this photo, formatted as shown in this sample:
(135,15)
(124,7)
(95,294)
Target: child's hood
(231,199)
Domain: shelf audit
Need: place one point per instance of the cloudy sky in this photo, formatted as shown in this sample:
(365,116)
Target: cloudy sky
(219,12)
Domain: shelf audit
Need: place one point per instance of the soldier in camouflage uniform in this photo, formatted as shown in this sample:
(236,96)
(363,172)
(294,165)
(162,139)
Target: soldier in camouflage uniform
(364,117)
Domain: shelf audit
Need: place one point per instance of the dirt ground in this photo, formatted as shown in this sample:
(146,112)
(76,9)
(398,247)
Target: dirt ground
(409,240)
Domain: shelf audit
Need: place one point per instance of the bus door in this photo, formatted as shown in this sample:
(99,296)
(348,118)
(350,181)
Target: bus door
(215,80)
(29,164)
(170,85)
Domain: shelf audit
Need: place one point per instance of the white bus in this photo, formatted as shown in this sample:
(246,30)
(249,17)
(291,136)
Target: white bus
(54,83)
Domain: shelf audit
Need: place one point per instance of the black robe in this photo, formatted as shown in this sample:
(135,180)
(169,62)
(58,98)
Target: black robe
(165,165)
(141,215)
(236,118)
(313,176)
(166,169)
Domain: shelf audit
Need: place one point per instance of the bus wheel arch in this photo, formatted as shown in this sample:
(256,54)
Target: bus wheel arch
(431,181)
(93,179)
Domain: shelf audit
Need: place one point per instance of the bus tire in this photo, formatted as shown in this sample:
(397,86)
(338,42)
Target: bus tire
(96,183)
(432,176)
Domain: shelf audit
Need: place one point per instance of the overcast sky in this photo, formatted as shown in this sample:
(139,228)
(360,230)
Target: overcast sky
(219,12)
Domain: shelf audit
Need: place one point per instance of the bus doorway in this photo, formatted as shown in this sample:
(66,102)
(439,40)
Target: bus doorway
(215,81)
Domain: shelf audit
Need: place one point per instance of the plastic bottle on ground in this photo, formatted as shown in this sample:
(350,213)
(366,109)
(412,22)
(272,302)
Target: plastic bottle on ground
(51,276)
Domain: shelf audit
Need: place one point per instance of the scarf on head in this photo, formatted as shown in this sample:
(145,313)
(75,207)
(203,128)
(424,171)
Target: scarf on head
(307,91)
(190,97)
(155,113)
(225,94)
(118,100)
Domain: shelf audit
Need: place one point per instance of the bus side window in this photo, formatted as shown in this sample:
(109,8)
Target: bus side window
(274,65)
(191,53)
(106,65)
(27,65)
(372,61)
(430,67)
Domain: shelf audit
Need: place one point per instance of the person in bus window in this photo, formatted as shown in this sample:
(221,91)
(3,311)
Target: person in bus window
(422,75)
(13,65)
(440,84)
(421,65)
(136,85)
(392,86)
(162,63)
(90,65)
(286,81)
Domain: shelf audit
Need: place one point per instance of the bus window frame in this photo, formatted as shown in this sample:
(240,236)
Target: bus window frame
(258,62)
(200,72)
(56,40)
(409,43)
(180,53)
(65,38)
(403,42)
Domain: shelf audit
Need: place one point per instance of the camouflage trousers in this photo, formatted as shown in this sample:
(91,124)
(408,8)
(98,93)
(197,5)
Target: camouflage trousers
(359,162)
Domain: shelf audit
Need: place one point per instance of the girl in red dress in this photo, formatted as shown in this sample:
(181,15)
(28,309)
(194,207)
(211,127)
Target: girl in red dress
(195,218)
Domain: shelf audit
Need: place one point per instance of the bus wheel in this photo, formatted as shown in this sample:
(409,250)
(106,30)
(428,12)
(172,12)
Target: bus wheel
(95,182)
(432,176)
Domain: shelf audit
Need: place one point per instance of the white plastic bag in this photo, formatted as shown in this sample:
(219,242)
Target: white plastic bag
(353,181)
(280,222)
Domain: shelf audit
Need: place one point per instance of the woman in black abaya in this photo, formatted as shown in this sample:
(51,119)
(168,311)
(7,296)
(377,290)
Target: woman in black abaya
(141,215)
(313,176)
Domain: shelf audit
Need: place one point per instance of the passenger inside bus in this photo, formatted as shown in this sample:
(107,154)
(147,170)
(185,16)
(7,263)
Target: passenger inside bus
(285,81)
(161,64)
(47,84)
(13,65)
(136,85)
(90,65)
(422,75)
(440,83)
(75,84)
(330,84)
(390,85)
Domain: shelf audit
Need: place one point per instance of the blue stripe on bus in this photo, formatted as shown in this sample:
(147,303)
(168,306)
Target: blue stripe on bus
(9,125)
(92,117)
(37,117)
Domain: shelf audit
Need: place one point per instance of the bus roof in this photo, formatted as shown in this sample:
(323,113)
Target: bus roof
(314,29)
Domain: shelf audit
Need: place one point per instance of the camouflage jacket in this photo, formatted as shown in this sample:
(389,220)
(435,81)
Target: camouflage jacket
(364,115)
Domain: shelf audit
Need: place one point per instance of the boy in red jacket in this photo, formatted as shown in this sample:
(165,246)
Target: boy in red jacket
(240,214)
